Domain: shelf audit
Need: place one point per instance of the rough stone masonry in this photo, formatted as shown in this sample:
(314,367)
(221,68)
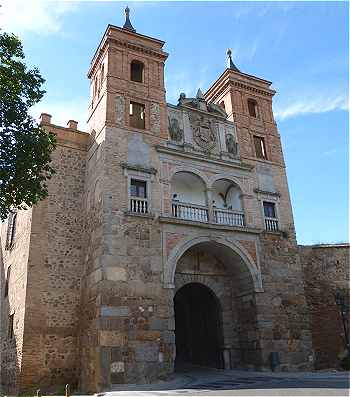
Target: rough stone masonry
(167,239)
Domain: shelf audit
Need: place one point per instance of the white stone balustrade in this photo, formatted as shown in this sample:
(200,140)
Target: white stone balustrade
(139,205)
(228,217)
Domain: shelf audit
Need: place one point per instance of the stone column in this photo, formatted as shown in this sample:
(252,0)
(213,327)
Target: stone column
(209,194)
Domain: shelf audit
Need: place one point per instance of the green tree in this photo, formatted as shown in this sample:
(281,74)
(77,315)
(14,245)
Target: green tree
(25,148)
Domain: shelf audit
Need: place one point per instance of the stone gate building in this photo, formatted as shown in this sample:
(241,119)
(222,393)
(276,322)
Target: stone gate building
(167,239)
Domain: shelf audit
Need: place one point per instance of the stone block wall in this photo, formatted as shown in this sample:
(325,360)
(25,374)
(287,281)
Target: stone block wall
(16,259)
(50,347)
(326,271)
(283,316)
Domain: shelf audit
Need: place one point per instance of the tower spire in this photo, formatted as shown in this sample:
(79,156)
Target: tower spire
(230,64)
(127,24)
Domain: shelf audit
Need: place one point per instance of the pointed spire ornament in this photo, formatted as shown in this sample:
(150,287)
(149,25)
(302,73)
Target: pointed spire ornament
(127,24)
(200,95)
(230,64)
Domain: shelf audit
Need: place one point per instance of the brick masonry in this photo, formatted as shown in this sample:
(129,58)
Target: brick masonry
(92,283)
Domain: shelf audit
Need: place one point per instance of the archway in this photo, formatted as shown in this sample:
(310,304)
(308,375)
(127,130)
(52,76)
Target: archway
(198,327)
(212,274)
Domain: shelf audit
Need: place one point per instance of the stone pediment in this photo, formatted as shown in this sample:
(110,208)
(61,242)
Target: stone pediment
(201,104)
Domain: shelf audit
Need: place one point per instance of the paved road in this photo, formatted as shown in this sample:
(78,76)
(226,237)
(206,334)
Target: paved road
(243,383)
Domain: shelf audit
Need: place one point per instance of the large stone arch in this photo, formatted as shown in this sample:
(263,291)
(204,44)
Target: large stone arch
(229,177)
(191,170)
(237,249)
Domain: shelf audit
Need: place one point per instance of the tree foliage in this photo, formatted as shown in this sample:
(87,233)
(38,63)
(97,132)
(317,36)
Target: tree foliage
(25,148)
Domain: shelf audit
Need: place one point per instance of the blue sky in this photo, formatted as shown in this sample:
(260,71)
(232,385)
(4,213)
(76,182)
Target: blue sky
(302,47)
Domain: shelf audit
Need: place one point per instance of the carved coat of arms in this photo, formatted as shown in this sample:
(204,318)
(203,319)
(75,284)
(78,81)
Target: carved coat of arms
(204,131)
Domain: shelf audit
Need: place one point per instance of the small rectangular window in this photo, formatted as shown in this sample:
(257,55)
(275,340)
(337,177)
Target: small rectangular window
(138,188)
(7,282)
(269,210)
(252,108)
(10,330)
(137,115)
(136,71)
(260,149)
(271,221)
(11,230)
(138,196)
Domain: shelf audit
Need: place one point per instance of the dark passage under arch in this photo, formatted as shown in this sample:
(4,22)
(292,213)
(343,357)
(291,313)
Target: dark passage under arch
(198,327)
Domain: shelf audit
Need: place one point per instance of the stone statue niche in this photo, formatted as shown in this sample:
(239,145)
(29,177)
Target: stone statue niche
(231,145)
(175,132)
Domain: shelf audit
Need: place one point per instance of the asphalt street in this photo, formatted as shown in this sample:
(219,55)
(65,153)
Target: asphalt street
(242,383)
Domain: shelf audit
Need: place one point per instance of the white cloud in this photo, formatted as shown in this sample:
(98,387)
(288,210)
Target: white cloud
(182,82)
(317,104)
(62,112)
(38,16)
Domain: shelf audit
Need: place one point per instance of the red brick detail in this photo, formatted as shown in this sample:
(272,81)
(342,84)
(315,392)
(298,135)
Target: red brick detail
(171,240)
(250,247)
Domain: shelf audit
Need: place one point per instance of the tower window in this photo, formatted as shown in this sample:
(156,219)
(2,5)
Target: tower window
(137,115)
(7,282)
(222,104)
(253,108)
(138,201)
(138,188)
(271,221)
(260,149)
(11,230)
(10,330)
(269,210)
(136,71)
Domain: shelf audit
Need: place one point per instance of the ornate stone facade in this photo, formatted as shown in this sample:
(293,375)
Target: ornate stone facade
(191,201)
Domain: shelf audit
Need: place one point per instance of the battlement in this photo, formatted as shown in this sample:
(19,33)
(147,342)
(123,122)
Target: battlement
(69,136)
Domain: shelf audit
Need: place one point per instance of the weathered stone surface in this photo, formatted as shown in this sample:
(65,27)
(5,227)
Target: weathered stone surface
(110,311)
(146,352)
(112,338)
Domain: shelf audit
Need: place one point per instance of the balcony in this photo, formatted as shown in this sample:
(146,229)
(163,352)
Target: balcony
(138,205)
(193,200)
(190,212)
(271,224)
(229,217)
(200,213)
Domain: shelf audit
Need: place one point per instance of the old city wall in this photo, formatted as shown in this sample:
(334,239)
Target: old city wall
(15,258)
(326,271)
(50,349)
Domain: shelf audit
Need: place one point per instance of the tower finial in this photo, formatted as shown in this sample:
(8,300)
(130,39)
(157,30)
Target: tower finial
(127,24)
(230,64)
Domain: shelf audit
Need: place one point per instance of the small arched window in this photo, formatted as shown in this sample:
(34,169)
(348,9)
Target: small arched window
(136,71)
(101,75)
(222,104)
(253,108)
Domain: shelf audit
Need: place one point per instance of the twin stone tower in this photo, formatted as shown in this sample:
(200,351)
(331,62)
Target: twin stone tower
(167,239)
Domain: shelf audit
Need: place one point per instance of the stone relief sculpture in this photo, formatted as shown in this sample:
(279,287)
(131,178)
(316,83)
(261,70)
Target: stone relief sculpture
(175,132)
(120,110)
(231,144)
(204,131)
(155,117)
